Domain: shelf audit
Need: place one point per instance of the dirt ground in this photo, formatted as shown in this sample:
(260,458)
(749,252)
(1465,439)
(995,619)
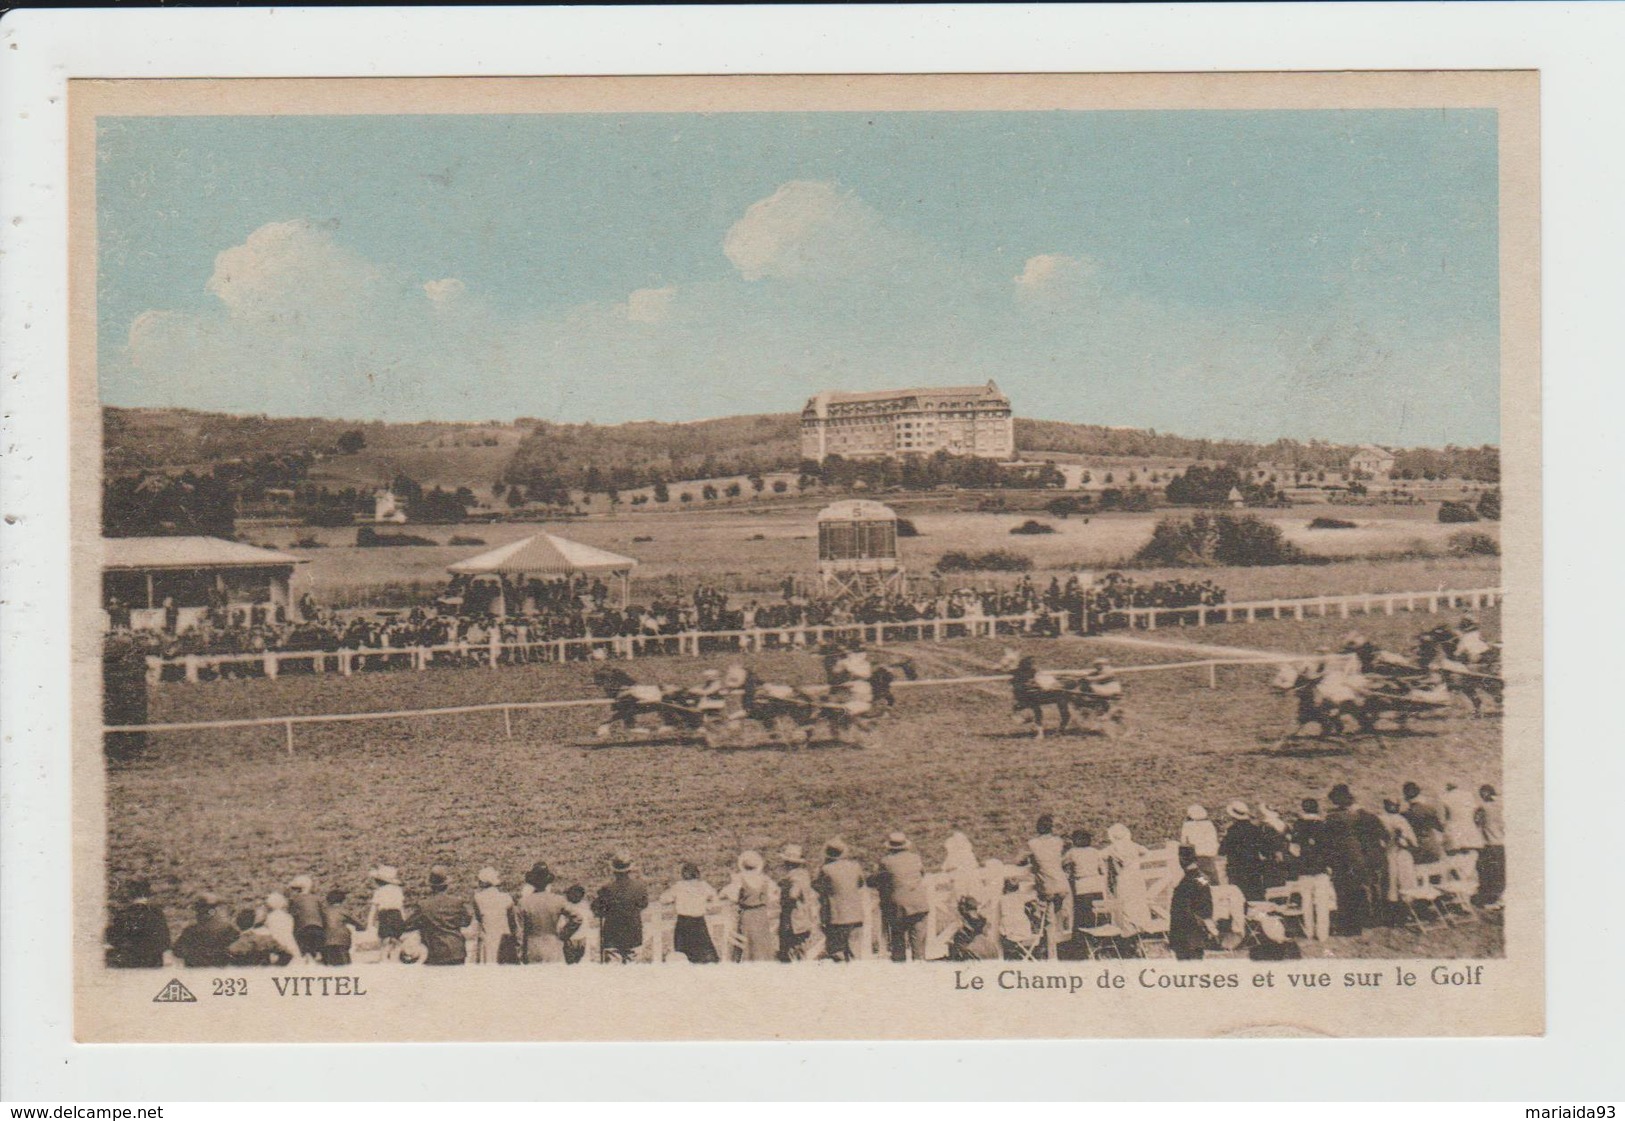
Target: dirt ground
(229,811)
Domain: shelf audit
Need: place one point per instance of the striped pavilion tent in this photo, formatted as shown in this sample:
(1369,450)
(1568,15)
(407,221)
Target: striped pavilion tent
(550,558)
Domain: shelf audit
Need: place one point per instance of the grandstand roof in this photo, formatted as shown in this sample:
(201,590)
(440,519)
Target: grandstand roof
(544,555)
(927,393)
(137,553)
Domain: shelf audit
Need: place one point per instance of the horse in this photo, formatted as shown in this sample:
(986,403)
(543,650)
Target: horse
(675,708)
(792,714)
(1471,671)
(1032,691)
(1324,699)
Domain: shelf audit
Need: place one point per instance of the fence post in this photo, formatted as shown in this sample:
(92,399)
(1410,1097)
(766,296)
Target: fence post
(494,646)
(507,721)
(272,663)
(1212,675)
(288,724)
(191,668)
(1151,619)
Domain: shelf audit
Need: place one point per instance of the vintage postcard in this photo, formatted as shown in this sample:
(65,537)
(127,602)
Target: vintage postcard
(807,557)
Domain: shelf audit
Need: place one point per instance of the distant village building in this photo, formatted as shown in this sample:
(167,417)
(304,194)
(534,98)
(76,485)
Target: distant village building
(387,508)
(1372,462)
(964,420)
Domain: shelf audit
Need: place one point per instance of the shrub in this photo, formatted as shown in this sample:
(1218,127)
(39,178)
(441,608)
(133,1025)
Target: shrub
(996,560)
(1220,539)
(1331,523)
(636,540)
(460,539)
(1473,543)
(331,517)
(1489,505)
(368,538)
(1030,526)
(1453,512)
(906,528)
(1066,505)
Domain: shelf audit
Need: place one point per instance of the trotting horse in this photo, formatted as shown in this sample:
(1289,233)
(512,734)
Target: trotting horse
(1323,699)
(675,708)
(1440,651)
(1032,691)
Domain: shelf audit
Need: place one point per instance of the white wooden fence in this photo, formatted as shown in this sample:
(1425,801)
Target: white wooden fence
(494,652)
(1387,603)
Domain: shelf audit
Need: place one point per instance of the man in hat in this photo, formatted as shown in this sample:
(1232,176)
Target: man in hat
(138,935)
(441,920)
(619,906)
(1425,823)
(1190,911)
(1354,850)
(1050,882)
(1492,858)
(797,905)
(840,890)
(204,944)
(1249,849)
(309,930)
(903,902)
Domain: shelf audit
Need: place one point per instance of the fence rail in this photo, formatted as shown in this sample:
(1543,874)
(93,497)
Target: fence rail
(1146,618)
(495,652)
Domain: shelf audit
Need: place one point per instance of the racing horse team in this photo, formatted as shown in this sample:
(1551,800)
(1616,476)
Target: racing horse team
(1362,682)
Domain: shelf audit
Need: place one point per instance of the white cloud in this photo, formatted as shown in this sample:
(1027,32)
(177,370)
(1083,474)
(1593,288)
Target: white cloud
(806,228)
(651,305)
(444,292)
(1052,274)
(290,268)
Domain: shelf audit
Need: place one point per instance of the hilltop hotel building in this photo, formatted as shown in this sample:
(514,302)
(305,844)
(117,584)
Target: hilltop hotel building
(963,420)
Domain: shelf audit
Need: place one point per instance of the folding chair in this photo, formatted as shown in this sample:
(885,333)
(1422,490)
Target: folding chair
(1431,887)
(1029,933)
(1457,885)
(1101,941)
(1288,903)
(1415,896)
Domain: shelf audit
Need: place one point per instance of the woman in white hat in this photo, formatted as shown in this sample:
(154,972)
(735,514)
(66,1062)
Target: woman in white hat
(1201,836)
(1125,880)
(493,909)
(387,911)
(279,924)
(756,898)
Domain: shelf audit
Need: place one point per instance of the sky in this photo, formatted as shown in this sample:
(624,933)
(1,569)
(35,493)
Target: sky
(1261,274)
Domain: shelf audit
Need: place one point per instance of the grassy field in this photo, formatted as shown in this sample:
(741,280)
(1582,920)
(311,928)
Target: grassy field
(229,811)
(754,548)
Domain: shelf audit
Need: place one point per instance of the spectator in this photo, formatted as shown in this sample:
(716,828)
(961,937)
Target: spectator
(1050,882)
(691,898)
(754,896)
(338,923)
(577,913)
(1492,859)
(387,909)
(206,944)
(903,903)
(1425,823)
(138,935)
(1355,854)
(279,923)
(1248,849)
(1461,833)
(541,918)
(619,906)
(798,906)
(1202,837)
(309,931)
(441,921)
(975,939)
(255,944)
(1125,880)
(494,910)
(840,890)
(1190,913)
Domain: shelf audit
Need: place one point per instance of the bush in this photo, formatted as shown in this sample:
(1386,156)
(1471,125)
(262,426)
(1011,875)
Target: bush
(1331,523)
(1031,526)
(636,540)
(331,517)
(459,539)
(368,538)
(906,528)
(996,560)
(1453,512)
(1473,543)
(1067,505)
(1489,505)
(1220,539)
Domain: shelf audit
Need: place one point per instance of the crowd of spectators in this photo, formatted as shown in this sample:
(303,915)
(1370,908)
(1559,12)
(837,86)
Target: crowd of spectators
(529,619)
(1349,868)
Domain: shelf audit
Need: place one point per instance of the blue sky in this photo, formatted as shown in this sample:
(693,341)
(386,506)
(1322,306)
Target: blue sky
(1252,274)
